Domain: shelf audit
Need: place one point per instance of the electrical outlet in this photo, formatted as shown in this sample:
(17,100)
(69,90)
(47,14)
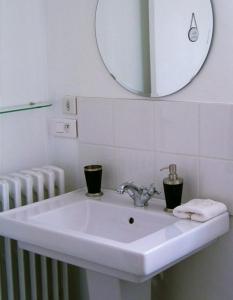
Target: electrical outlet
(64,128)
(69,105)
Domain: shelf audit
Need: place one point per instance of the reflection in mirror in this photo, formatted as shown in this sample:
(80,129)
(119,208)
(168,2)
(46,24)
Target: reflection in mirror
(154,47)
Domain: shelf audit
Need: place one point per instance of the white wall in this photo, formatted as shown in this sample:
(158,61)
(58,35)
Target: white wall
(23,78)
(196,137)
(23,140)
(23,52)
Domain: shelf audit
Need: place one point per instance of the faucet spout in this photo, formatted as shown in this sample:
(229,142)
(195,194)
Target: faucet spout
(127,186)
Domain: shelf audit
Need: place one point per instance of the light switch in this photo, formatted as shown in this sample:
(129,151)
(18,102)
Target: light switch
(69,105)
(64,128)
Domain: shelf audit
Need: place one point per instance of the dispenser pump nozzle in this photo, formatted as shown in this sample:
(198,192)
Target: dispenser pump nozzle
(171,168)
(172,172)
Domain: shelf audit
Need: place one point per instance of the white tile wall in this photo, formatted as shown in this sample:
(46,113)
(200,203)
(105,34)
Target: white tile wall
(216,180)
(132,121)
(177,127)
(216,130)
(134,139)
(135,165)
(95,122)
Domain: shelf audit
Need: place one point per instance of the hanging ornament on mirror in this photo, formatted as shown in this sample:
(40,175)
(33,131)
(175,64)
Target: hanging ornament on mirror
(193,33)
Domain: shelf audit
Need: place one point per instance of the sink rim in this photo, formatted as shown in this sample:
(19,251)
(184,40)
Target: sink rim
(155,208)
(138,259)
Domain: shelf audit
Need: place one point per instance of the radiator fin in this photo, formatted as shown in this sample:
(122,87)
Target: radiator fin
(25,275)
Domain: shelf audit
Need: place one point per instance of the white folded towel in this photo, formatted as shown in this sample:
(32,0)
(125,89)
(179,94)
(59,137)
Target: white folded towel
(200,210)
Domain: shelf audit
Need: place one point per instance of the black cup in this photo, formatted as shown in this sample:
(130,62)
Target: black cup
(93,175)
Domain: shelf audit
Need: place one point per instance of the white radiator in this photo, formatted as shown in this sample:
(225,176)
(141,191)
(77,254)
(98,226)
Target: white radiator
(25,275)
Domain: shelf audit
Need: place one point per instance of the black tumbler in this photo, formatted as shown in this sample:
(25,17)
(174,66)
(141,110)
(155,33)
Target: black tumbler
(93,175)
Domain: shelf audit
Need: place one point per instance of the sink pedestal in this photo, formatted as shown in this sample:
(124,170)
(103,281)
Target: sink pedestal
(105,287)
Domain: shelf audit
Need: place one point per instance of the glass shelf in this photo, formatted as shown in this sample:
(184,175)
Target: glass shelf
(31,105)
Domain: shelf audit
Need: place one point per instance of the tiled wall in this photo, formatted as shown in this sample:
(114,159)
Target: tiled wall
(134,139)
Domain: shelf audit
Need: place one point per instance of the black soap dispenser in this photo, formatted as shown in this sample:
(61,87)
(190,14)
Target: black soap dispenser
(173,186)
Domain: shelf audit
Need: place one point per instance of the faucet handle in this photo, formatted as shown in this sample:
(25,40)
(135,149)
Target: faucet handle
(148,192)
(152,190)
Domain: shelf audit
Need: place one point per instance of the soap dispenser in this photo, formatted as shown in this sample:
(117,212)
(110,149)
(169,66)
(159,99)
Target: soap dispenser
(173,186)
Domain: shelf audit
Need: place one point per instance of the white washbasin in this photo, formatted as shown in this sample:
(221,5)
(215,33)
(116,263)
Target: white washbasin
(114,222)
(109,235)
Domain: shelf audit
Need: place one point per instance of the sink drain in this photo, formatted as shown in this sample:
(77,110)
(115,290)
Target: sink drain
(131,220)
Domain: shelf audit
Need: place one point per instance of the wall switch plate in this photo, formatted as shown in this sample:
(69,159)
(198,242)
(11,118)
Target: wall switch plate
(64,128)
(69,105)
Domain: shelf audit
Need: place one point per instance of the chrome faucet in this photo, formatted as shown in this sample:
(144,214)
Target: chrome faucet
(140,195)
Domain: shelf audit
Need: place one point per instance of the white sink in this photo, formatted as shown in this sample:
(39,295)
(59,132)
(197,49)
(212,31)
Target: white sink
(101,219)
(109,235)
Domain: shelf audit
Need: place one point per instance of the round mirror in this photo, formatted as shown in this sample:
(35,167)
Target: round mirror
(154,47)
